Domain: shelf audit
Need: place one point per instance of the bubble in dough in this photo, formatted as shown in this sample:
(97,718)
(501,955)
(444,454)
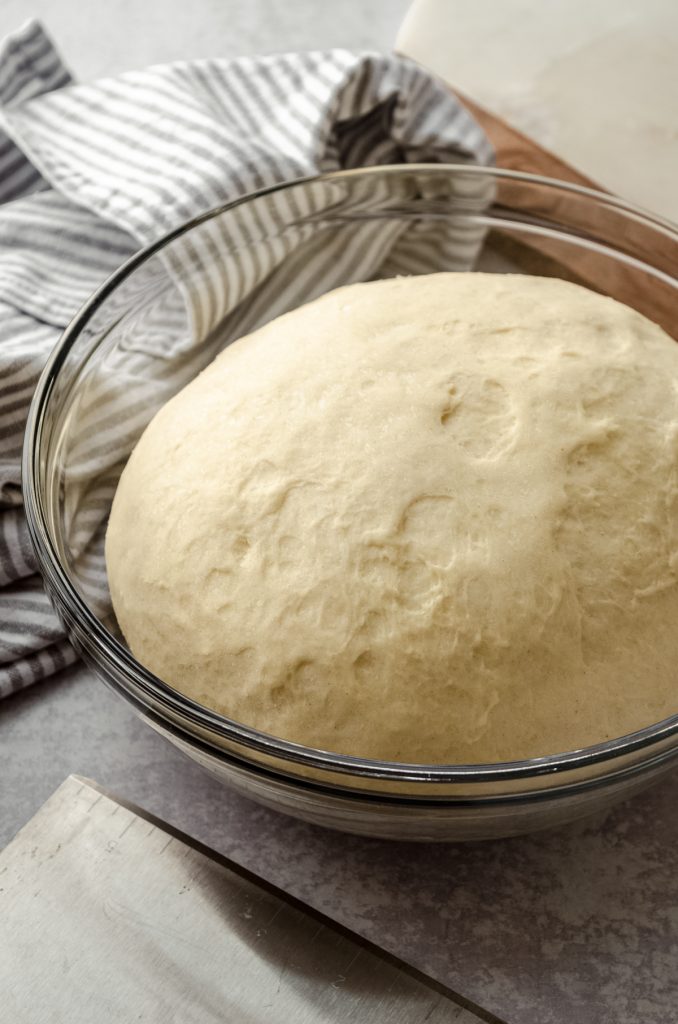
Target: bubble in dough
(428,519)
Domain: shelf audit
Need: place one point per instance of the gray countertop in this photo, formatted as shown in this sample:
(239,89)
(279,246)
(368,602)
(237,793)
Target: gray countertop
(105,37)
(578,925)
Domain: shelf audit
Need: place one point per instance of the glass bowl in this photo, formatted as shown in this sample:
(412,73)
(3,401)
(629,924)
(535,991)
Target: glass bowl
(165,314)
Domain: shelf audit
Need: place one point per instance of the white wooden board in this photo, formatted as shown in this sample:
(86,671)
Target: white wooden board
(106,916)
(594,82)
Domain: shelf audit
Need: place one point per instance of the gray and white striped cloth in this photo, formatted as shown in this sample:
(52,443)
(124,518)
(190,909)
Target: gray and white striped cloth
(89,173)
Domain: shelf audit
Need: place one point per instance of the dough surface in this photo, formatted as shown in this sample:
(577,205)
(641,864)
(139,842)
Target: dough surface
(429,519)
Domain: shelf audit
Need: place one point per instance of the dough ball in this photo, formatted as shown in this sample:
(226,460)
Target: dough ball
(430,519)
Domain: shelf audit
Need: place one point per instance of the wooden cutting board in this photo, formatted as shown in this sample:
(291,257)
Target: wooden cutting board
(432,24)
(108,915)
(650,296)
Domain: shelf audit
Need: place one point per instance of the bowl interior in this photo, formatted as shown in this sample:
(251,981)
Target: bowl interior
(164,316)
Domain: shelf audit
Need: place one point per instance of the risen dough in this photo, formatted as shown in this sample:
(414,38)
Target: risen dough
(428,519)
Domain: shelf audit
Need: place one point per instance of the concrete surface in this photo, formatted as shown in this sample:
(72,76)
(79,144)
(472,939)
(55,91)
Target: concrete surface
(105,37)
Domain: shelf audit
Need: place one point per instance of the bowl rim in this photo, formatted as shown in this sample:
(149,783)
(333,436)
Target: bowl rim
(158,693)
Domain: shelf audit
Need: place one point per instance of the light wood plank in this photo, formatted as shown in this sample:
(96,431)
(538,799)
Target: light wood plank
(107,916)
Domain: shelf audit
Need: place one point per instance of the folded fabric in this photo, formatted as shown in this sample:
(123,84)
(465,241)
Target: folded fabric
(90,173)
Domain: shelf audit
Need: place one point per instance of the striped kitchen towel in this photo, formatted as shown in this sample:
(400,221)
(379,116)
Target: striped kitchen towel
(90,173)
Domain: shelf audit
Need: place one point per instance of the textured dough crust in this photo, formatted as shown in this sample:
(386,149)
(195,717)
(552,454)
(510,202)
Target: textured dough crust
(427,519)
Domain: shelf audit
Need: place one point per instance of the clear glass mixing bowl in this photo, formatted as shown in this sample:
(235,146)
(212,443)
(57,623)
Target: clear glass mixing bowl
(162,318)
